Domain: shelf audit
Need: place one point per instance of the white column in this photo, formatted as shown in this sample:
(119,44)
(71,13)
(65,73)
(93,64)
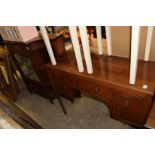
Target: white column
(86,48)
(74,37)
(47,43)
(99,39)
(134,53)
(108,36)
(148,43)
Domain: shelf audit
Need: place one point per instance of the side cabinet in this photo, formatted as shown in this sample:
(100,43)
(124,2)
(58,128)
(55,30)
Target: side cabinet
(130,108)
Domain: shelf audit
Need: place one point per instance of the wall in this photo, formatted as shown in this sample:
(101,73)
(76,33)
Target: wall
(121,36)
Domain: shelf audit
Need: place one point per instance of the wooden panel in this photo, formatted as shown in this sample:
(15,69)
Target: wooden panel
(57,80)
(127,107)
(58,47)
(36,45)
(150,123)
(88,86)
(43,77)
(18,49)
(39,58)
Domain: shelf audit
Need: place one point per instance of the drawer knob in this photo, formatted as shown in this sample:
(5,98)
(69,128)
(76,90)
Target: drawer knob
(96,90)
(114,104)
(27,48)
(73,82)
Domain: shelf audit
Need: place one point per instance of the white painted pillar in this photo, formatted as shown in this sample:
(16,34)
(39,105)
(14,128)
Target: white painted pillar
(148,43)
(75,41)
(86,48)
(109,42)
(134,53)
(47,43)
(99,39)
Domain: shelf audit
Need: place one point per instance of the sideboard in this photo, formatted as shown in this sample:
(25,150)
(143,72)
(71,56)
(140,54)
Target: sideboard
(108,83)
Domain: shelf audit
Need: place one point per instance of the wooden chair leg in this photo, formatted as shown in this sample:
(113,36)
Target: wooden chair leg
(60,102)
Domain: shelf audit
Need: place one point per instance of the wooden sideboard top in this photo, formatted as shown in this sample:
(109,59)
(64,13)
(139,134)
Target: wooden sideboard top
(113,71)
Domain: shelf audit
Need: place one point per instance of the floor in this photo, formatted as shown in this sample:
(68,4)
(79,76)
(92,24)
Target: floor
(84,113)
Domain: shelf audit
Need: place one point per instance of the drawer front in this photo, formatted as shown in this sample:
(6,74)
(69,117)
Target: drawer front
(128,107)
(43,77)
(19,49)
(88,86)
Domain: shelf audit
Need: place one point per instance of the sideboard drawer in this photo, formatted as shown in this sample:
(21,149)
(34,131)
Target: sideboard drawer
(88,86)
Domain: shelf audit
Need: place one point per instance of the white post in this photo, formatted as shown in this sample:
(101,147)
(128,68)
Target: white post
(47,43)
(134,53)
(76,46)
(148,43)
(108,36)
(86,48)
(99,39)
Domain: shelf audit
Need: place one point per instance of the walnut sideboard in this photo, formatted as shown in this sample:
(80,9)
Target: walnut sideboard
(108,83)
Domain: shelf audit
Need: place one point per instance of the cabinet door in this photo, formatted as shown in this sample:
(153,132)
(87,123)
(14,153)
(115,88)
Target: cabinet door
(128,107)
(58,83)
